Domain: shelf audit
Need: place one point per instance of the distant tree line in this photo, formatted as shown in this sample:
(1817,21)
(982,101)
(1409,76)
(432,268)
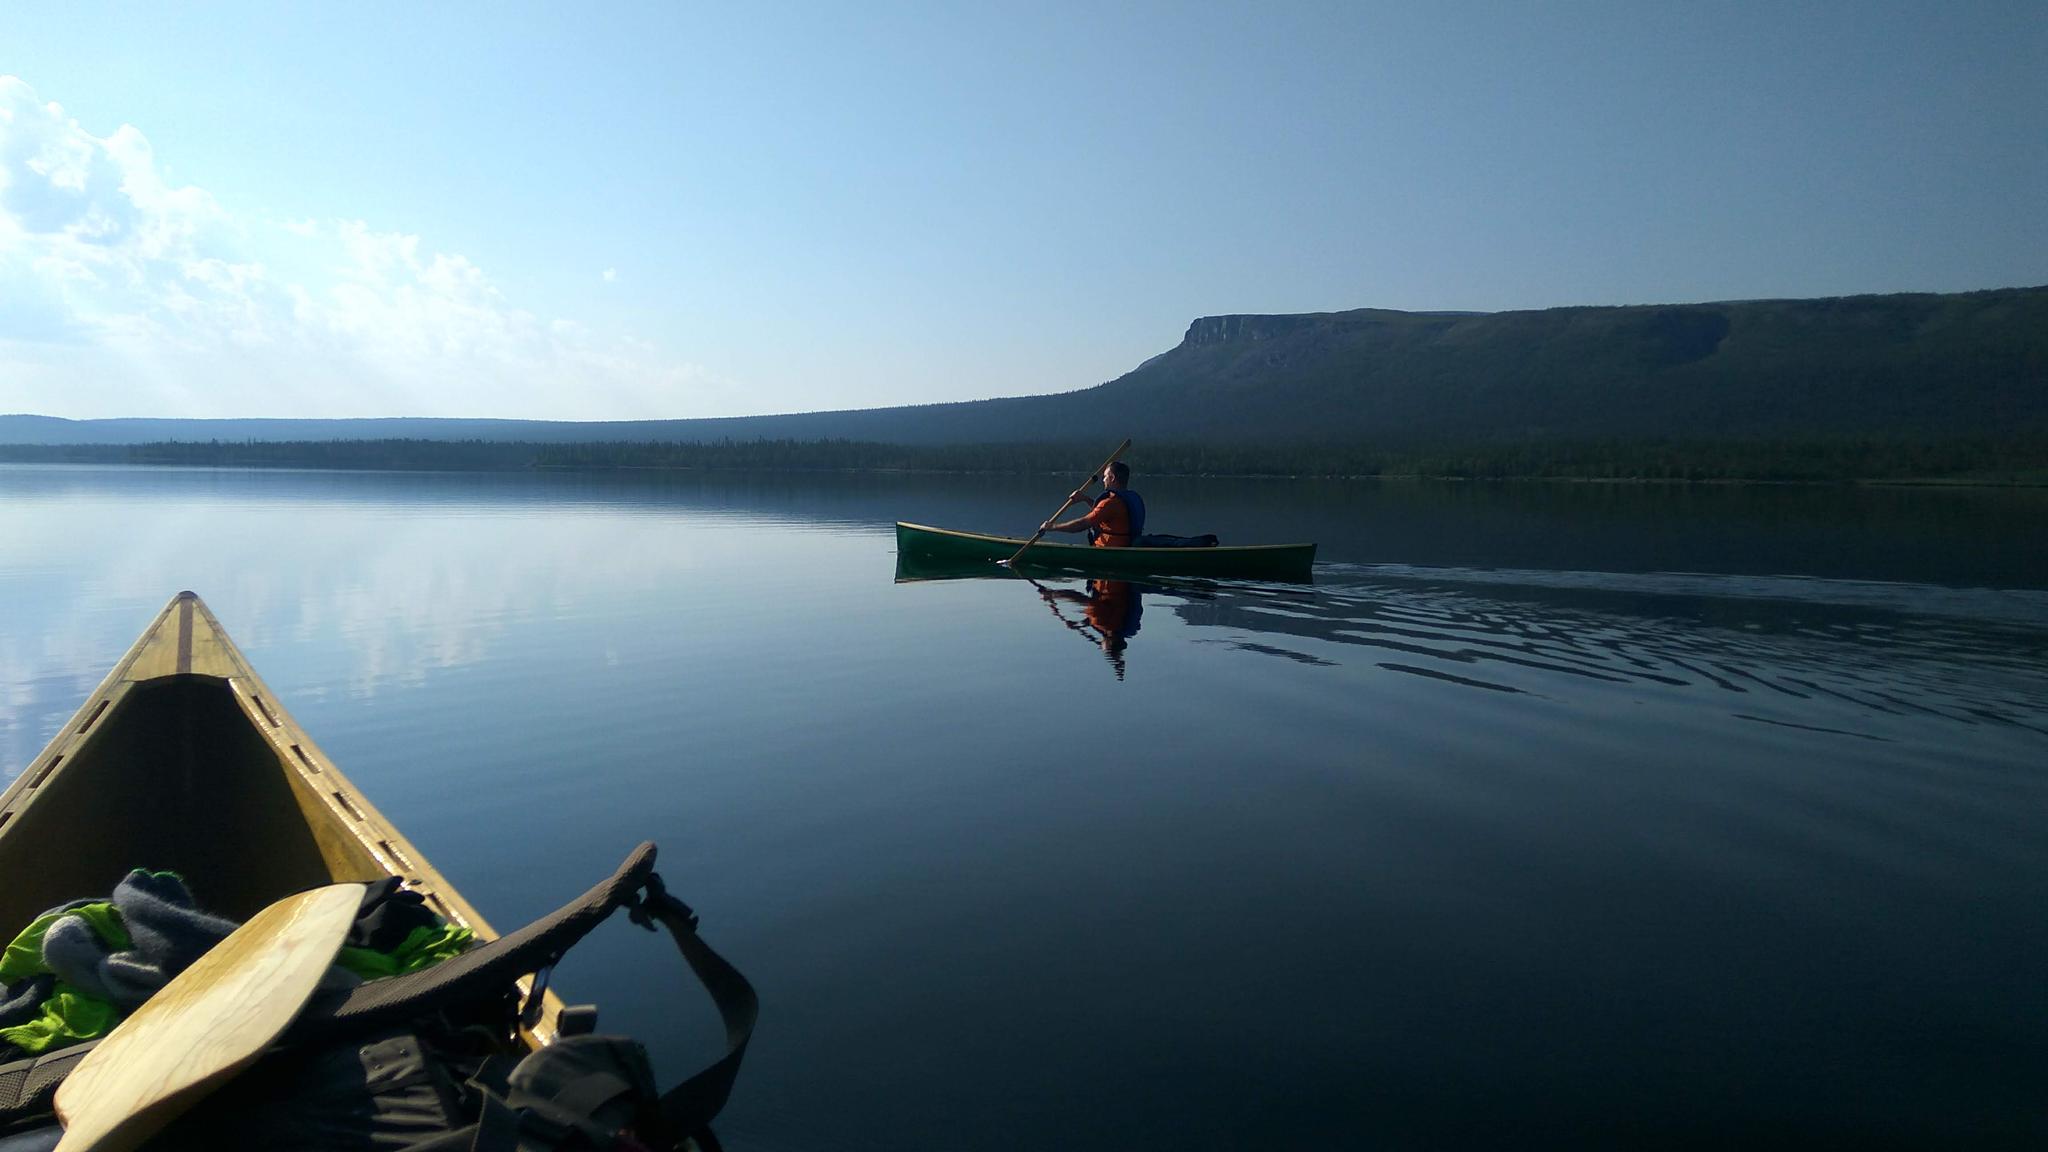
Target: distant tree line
(2015,460)
(2011,461)
(353,455)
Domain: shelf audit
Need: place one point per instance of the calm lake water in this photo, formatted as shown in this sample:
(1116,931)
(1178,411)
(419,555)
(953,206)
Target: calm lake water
(1602,814)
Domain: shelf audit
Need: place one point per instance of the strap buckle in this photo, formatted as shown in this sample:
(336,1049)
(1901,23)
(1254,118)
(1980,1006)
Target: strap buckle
(657,904)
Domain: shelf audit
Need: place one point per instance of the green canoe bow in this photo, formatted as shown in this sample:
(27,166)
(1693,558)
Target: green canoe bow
(941,550)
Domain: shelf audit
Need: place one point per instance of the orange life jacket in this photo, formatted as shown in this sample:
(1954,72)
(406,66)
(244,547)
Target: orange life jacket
(1111,518)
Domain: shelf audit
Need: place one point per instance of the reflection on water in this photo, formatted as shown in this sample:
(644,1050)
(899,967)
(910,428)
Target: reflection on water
(1105,612)
(416,574)
(1111,612)
(1796,649)
(404,591)
(1574,814)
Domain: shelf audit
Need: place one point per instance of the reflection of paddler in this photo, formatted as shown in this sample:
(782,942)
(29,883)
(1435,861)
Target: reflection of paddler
(1113,609)
(1118,518)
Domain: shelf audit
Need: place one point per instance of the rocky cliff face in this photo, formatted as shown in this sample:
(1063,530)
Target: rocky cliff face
(1226,329)
(1210,330)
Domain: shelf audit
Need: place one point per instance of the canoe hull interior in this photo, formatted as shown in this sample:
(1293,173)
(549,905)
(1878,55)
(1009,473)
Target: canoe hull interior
(922,550)
(182,759)
(173,777)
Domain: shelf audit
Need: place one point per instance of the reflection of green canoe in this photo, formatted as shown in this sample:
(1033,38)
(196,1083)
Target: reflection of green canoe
(940,549)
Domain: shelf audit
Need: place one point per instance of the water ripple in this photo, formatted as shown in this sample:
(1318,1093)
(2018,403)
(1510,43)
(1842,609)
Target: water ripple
(1972,657)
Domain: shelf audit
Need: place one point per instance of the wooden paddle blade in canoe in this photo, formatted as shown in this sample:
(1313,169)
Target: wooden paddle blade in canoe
(211,1021)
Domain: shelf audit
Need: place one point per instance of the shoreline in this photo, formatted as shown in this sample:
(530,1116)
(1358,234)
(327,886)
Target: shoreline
(823,470)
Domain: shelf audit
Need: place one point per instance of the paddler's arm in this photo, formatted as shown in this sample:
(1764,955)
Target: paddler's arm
(1078,524)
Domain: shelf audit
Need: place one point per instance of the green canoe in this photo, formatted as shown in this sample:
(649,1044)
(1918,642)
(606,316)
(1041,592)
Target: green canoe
(940,548)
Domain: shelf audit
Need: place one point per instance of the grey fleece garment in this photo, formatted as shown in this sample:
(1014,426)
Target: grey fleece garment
(166,934)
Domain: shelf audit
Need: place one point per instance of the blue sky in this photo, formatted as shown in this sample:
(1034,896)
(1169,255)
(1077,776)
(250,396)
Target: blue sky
(686,210)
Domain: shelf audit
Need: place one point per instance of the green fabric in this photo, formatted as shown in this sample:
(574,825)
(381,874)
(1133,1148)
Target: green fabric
(24,957)
(421,948)
(106,923)
(68,1017)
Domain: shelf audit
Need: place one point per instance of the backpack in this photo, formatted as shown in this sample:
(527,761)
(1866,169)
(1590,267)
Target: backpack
(416,1062)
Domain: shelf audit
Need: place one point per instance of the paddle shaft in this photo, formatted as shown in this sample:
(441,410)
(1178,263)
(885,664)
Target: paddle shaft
(1071,499)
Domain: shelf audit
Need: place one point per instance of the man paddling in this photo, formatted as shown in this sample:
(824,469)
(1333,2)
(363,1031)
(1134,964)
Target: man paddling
(1118,518)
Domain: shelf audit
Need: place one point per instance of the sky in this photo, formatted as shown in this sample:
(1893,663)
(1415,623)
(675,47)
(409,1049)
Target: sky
(628,211)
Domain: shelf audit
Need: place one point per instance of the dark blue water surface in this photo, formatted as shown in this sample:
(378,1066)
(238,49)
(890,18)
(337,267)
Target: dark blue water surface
(1548,813)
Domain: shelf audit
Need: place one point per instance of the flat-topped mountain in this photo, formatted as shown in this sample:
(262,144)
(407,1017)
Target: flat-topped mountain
(1937,366)
(1920,366)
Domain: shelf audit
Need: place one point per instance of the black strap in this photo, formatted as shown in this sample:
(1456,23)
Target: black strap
(690,1106)
(686,1109)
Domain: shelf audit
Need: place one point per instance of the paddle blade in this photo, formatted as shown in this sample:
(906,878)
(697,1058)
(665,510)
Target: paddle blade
(210,1022)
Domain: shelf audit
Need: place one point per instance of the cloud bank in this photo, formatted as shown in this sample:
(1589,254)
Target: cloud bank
(122,294)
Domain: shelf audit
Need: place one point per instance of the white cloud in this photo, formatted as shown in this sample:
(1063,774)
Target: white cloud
(122,293)
(611,274)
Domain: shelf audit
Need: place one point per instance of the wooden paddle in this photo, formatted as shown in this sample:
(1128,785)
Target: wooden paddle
(1120,449)
(211,1021)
